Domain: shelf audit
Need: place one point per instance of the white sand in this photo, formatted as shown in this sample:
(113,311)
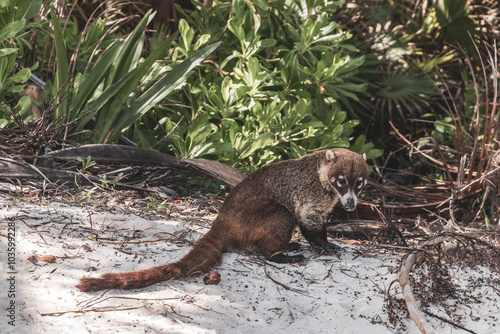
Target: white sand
(330,295)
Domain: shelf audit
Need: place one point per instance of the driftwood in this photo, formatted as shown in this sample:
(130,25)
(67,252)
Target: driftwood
(129,154)
(110,153)
(404,279)
(104,153)
(20,170)
(220,171)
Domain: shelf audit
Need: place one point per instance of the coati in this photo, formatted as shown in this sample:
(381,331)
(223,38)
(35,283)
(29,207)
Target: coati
(261,213)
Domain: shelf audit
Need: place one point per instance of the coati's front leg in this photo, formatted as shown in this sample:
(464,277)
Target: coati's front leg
(315,233)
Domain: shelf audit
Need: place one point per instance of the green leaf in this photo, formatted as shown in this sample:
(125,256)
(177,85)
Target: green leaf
(62,72)
(91,108)
(23,105)
(16,89)
(266,43)
(261,4)
(237,29)
(119,68)
(201,41)
(21,76)
(171,81)
(374,153)
(187,34)
(92,80)
(261,141)
(11,29)
(30,8)
(108,117)
(8,51)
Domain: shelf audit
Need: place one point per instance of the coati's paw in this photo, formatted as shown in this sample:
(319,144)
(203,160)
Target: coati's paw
(282,258)
(327,249)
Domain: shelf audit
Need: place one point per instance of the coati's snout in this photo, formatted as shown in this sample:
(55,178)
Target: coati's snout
(349,201)
(348,175)
(348,191)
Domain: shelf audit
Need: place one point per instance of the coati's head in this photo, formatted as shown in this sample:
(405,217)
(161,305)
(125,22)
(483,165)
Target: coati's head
(346,172)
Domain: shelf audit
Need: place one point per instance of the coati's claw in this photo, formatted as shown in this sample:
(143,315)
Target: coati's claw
(282,258)
(332,249)
(327,249)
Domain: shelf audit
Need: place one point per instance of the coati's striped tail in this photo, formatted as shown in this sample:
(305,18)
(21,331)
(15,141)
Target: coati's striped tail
(206,254)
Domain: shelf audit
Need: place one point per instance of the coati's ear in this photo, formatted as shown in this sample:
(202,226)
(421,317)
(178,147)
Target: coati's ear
(330,155)
(364,156)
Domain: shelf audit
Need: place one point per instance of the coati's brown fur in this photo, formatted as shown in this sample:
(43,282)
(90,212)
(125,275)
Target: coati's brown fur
(261,213)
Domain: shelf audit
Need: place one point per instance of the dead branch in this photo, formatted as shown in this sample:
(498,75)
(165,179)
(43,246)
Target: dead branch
(404,280)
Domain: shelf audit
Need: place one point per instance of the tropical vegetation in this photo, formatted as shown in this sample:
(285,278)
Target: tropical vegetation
(249,83)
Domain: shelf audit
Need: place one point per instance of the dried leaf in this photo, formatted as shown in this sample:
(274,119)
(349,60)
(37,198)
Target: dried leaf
(212,279)
(46,258)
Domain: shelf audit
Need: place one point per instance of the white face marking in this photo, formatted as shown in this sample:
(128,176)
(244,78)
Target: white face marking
(333,179)
(349,200)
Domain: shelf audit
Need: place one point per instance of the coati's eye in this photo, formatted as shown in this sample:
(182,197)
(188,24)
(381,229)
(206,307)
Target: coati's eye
(360,182)
(341,181)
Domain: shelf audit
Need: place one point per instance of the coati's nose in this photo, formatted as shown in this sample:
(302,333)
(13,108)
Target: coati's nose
(350,203)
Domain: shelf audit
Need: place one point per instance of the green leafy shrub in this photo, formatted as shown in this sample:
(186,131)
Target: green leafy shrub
(120,87)
(414,63)
(273,90)
(13,40)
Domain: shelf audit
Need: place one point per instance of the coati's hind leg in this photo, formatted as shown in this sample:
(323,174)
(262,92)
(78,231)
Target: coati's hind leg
(269,227)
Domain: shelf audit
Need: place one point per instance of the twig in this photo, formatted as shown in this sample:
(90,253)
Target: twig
(329,273)
(190,302)
(281,284)
(99,299)
(344,271)
(494,288)
(33,227)
(484,176)
(91,310)
(45,178)
(169,133)
(448,321)
(388,246)
(436,161)
(146,241)
(456,191)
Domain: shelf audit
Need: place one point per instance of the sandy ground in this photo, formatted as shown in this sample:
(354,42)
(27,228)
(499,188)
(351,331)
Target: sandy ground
(323,295)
